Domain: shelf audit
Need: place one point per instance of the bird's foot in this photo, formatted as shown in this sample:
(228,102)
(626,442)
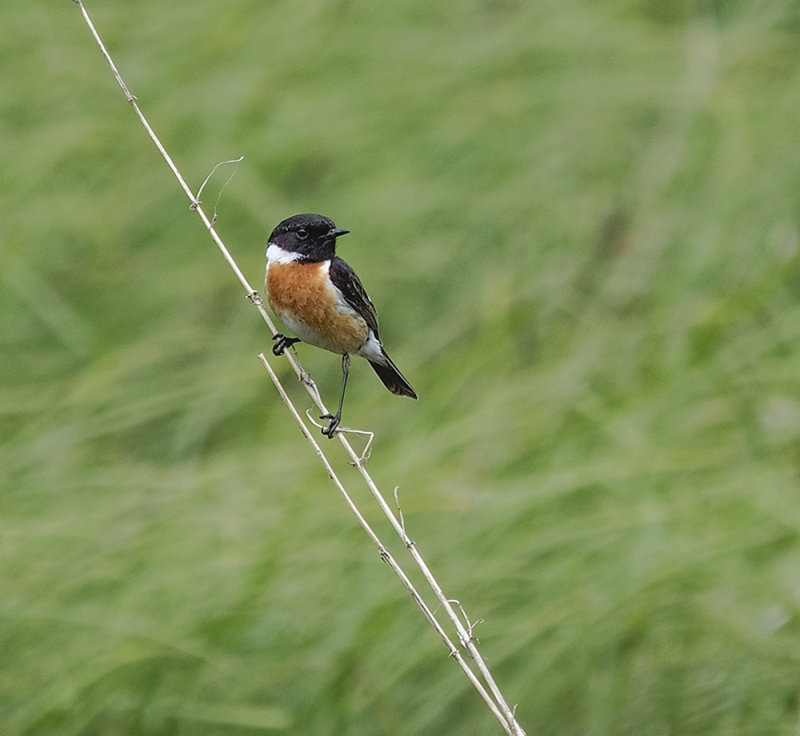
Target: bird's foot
(282,342)
(330,430)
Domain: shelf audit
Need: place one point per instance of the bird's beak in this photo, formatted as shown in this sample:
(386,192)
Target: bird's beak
(337,231)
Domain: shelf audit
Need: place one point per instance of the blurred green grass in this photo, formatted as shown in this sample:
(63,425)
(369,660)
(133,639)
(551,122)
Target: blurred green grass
(579,223)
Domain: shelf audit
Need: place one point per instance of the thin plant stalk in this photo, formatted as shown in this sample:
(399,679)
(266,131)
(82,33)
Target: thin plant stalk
(493,696)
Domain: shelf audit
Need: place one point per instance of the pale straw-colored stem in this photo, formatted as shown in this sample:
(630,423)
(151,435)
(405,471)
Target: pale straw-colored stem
(492,696)
(386,556)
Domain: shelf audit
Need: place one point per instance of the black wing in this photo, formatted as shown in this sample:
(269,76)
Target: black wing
(344,278)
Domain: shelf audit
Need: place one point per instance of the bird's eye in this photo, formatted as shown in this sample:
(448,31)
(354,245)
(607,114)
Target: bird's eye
(302,233)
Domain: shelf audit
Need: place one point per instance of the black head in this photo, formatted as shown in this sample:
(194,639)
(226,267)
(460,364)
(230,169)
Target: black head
(313,236)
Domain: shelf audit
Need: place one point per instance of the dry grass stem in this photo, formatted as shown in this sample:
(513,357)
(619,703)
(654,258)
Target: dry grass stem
(213,171)
(385,555)
(483,681)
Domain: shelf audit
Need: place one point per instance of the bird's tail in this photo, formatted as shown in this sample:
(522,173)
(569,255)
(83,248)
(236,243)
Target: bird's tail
(392,378)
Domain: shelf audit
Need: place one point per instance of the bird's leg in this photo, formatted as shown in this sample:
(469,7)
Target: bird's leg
(282,342)
(336,418)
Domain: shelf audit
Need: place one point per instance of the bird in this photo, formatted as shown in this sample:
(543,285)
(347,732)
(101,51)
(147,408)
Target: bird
(319,297)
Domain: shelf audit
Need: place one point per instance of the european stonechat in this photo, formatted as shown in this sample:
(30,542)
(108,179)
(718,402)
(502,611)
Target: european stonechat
(319,298)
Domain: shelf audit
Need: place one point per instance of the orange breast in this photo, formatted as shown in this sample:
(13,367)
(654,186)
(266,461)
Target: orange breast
(307,303)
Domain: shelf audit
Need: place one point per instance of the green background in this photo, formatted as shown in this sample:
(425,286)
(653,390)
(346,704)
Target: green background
(579,223)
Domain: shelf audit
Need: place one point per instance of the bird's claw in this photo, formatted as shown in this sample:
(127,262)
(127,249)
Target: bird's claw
(330,430)
(282,342)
